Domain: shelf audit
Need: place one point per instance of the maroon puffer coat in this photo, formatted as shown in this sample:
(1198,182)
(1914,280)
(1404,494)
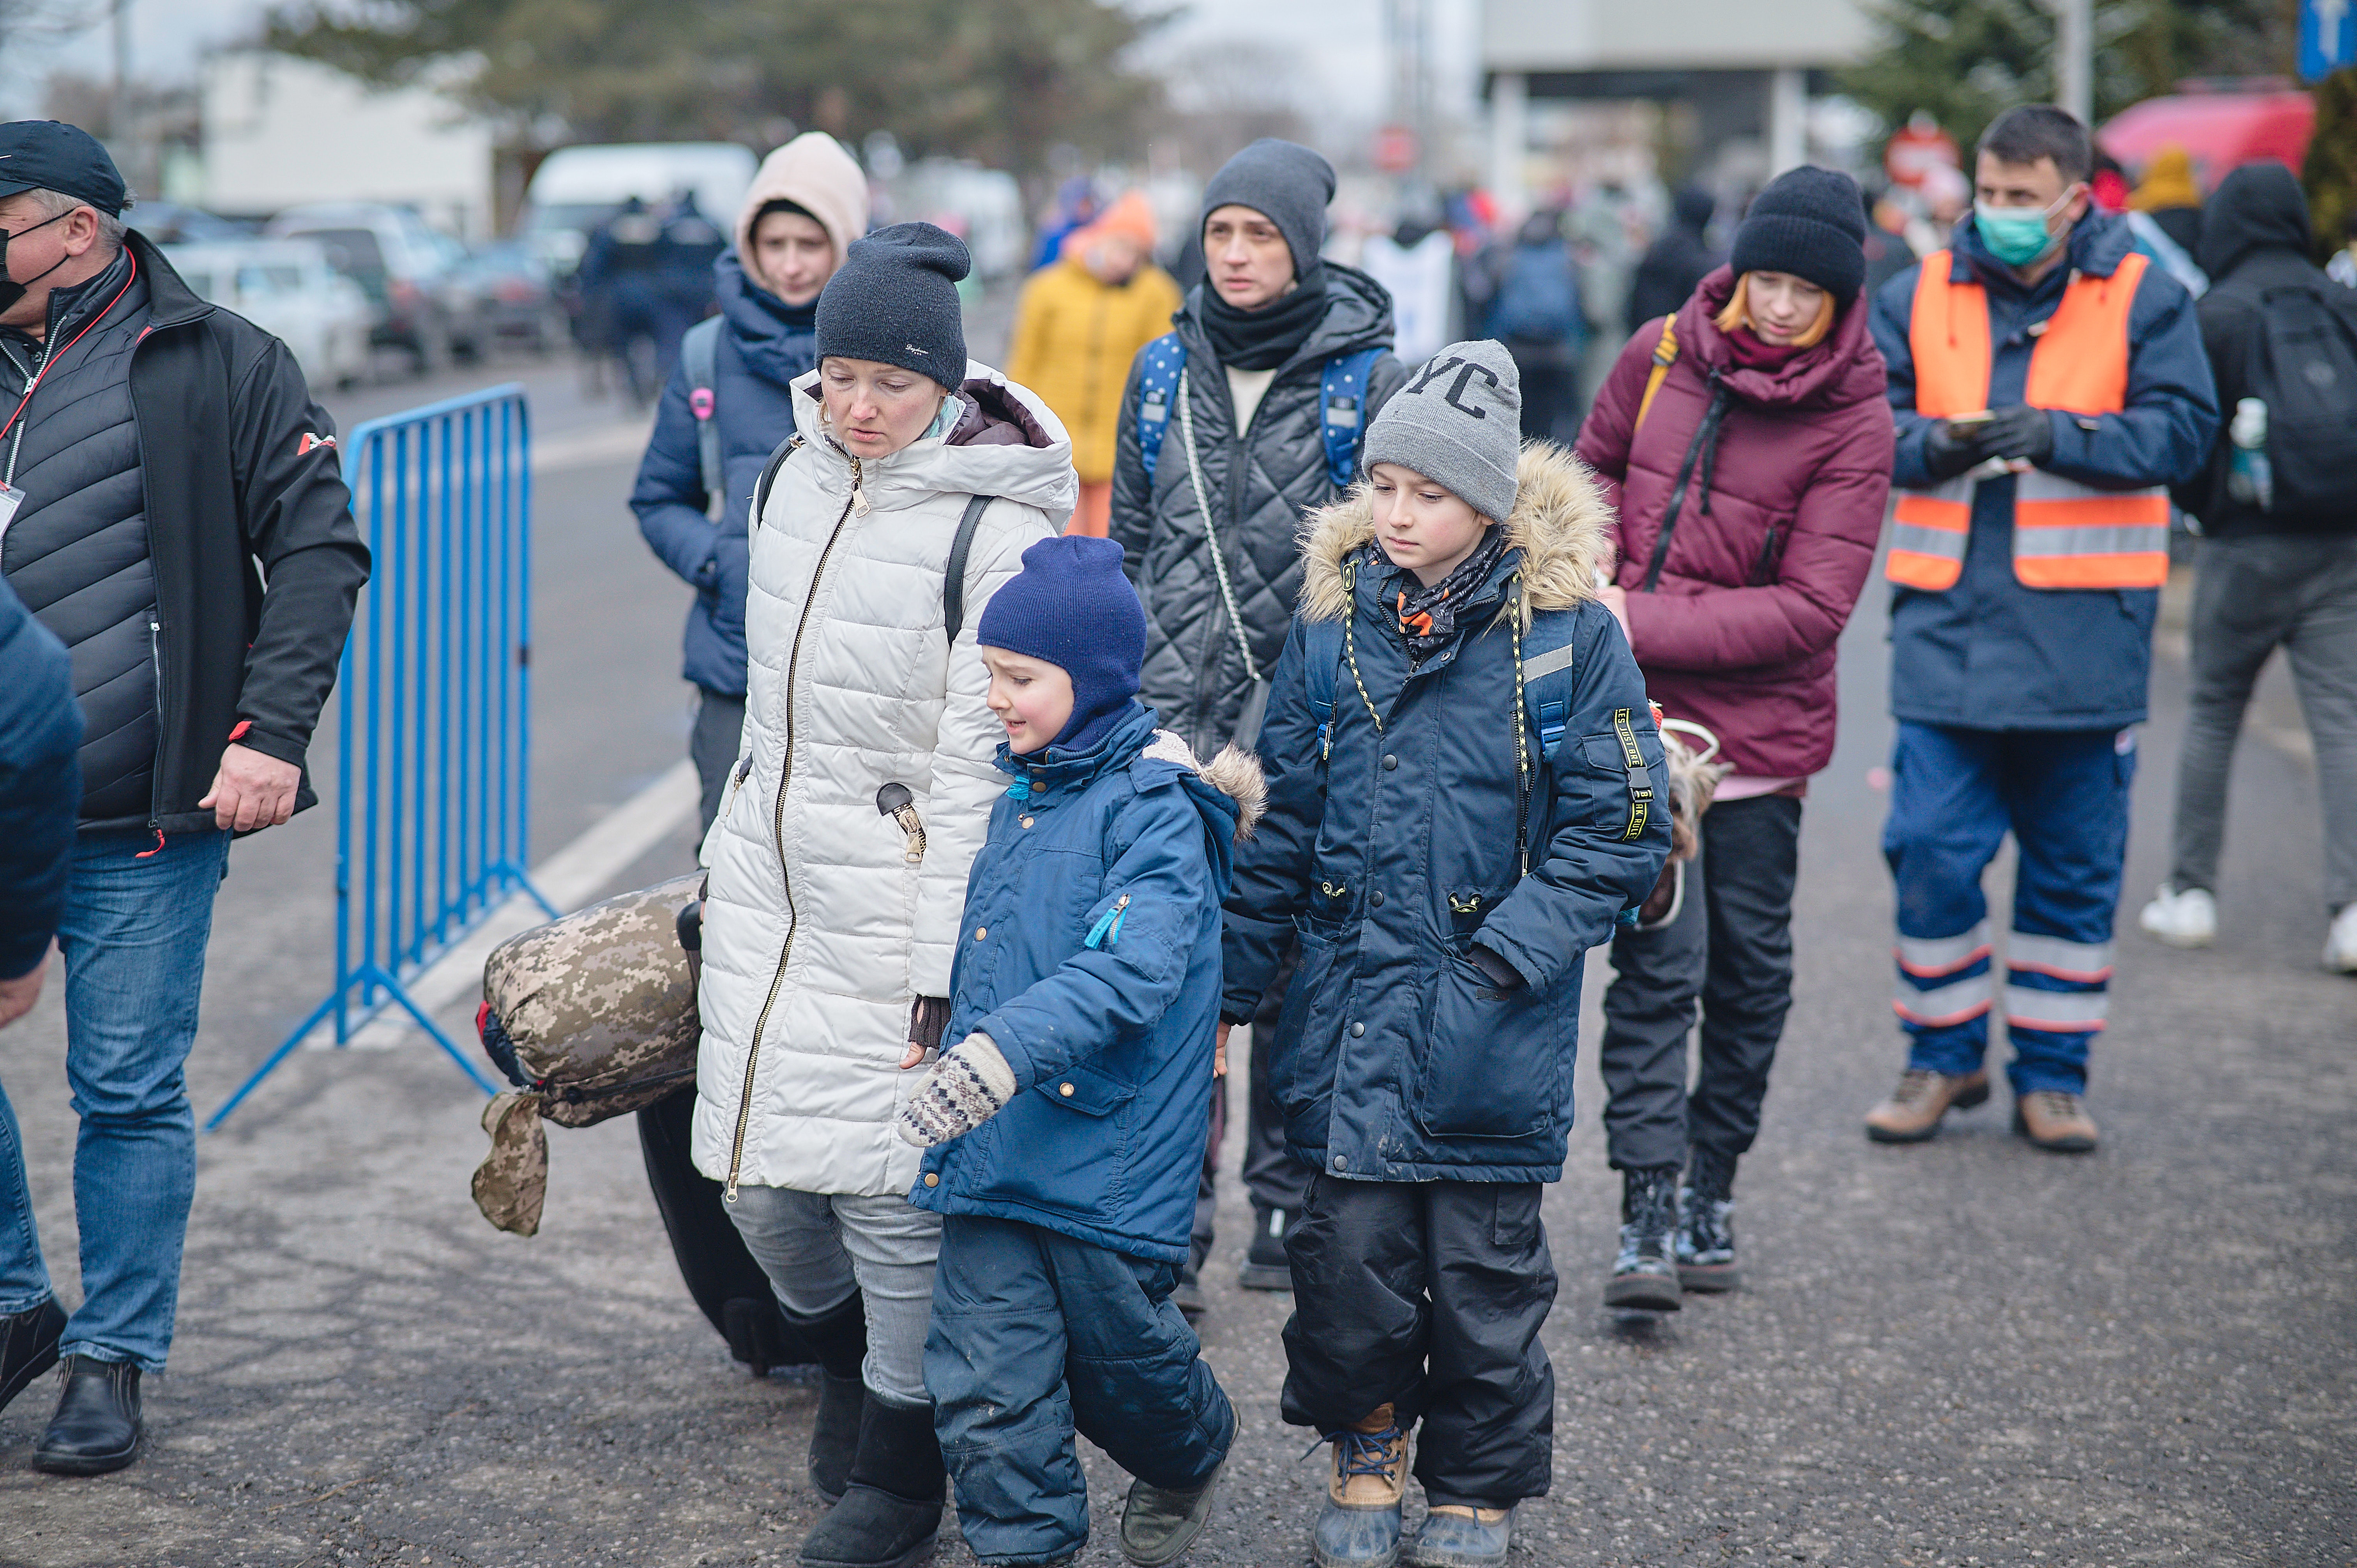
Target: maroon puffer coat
(1775,535)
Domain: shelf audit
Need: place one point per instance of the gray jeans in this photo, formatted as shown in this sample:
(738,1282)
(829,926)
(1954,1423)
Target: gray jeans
(712,744)
(818,1248)
(2254,593)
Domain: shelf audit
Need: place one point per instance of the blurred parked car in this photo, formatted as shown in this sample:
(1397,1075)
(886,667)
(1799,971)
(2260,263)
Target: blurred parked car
(169,223)
(410,274)
(514,298)
(287,288)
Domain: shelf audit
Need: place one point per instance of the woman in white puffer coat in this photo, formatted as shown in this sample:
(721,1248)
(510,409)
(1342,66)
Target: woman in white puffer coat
(831,919)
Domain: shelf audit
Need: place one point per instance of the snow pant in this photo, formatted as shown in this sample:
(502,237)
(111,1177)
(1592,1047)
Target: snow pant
(712,746)
(1953,795)
(1272,1175)
(1036,1336)
(1730,947)
(2254,594)
(1428,1296)
(820,1249)
(729,1287)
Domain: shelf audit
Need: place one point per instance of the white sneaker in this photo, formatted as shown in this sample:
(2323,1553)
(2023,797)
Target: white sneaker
(2341,941)
(2188,918)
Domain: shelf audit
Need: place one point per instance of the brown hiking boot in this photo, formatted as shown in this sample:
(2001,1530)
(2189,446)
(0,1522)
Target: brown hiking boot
(1911,1115)
(2056,1121)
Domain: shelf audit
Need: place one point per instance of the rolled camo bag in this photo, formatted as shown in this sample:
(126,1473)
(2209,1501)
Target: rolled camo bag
(590,1016)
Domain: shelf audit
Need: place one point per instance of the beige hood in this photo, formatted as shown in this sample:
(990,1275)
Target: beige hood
(816,174)
(1561,523)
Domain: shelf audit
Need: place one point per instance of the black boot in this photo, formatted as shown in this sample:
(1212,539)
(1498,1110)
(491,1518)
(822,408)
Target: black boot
(96,1428)
(1707,1224)
(1645,1275)
(29,1346)
(840,1342)
(891,1512)
(1265,1266)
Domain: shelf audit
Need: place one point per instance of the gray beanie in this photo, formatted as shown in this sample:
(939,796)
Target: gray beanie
(1286,183)
(1457,421)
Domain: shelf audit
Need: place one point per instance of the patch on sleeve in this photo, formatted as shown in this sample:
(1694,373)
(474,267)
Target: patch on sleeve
(312,442)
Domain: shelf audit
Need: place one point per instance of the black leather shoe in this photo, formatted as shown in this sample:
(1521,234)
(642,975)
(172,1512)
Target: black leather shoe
(29,1346)
(96,1428)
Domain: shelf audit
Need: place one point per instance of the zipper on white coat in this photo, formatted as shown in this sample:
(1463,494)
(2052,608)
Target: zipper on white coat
(778,842)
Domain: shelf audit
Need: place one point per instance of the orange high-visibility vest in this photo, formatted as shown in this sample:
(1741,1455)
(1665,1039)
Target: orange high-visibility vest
(2065,534)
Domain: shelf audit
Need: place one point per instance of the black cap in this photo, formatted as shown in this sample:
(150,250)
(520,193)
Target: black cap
(47,154)
(895,300)
(1808,223)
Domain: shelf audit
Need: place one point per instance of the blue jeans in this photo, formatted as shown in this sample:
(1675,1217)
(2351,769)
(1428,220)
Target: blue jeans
(133,938)
(1037,1335)
(1954,794)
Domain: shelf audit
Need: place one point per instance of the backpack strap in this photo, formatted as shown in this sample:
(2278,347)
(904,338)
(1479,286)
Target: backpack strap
(1321,659)
(954,574)
(1342,417)
(1547,676)
(1157,390)
(769,475)
(1665,354)
(699,353)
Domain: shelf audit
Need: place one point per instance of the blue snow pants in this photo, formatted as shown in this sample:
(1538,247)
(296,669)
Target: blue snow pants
(1954,794)
(1036,1336)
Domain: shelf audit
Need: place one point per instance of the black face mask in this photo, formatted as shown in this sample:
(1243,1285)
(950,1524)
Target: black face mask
(11,291)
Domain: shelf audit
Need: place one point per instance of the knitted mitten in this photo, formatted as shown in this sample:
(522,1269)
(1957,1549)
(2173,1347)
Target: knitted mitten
(967,1086)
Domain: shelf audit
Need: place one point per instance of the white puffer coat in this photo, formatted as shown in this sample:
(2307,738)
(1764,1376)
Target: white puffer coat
(818,932)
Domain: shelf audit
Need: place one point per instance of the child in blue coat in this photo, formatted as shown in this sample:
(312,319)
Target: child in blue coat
(1067,1126)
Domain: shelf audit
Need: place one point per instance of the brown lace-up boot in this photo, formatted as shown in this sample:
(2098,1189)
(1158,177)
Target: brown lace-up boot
(1912,1114)
(2056,1121)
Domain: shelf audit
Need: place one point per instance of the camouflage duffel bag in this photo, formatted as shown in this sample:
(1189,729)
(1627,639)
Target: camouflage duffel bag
(590,1016)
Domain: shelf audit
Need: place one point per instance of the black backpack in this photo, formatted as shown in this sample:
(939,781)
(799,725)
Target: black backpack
(2303,363)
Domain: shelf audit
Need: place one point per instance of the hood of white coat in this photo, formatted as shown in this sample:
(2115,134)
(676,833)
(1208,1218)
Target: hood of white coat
(1009,444)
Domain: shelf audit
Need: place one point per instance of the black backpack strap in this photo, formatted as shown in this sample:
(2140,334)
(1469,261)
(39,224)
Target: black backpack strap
(954,574)
(769,475)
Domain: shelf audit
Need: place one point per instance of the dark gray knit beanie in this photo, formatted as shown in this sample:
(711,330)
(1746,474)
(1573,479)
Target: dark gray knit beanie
(1459,421)
(895,300)
(1284,182)
(1810,223)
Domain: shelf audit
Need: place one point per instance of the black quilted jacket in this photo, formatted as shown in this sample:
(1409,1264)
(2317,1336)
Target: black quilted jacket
(1259,487)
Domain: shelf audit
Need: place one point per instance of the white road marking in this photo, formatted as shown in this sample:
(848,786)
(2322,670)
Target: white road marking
(571,877)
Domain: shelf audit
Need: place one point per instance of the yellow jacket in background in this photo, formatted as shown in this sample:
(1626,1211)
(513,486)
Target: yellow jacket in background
(1074,339)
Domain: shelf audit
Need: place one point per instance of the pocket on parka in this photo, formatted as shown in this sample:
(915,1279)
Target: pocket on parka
(1301,1067)
(1488,1069)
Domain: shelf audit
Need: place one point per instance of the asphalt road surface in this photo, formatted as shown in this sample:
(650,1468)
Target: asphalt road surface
(1964,1353)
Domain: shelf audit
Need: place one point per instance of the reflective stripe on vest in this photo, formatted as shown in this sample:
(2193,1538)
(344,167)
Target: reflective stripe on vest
(2065,534)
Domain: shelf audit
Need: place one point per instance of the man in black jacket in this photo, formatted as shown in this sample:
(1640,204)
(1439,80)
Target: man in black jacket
(174,512)
(2278,567)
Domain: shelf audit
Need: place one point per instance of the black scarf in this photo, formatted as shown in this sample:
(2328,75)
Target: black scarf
(1264,339)
(1427,616)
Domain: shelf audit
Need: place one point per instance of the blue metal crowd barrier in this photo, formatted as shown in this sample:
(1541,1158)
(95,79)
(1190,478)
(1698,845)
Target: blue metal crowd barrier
(434,743)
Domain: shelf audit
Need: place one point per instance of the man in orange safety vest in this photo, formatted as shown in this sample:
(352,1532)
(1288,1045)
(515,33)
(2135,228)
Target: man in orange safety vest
(2049,383)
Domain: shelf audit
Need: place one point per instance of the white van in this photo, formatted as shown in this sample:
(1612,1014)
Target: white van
(576,189)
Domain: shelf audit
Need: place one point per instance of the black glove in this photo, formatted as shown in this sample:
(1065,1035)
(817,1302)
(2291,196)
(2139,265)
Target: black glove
(928,1017)
(1948,455)
(2020,431)
(1502,977)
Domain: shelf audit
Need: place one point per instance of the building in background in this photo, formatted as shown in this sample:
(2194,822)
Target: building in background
(1737,77)
(280,132)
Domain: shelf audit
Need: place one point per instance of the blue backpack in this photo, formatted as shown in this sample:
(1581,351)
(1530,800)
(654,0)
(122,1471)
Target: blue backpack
(1341,402)
(1539,300)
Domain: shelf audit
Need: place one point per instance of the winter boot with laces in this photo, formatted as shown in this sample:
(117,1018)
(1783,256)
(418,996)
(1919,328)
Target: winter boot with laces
(1913,1112)
(1645,1275)
(891,1511)
(1460,1536)
(1360,1525)
(2056,1121)
(1707,1224)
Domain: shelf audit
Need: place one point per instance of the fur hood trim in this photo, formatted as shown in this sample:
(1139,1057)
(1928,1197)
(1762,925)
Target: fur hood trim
(1234,773)
(1561,523)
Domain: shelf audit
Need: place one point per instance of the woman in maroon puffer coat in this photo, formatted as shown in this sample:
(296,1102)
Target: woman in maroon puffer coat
(1769,441)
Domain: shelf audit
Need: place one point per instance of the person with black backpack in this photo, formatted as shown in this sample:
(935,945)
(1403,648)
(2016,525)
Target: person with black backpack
(2277,502)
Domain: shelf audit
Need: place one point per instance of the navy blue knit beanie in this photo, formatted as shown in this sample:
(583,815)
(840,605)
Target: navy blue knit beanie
(1072,605)
(895,301)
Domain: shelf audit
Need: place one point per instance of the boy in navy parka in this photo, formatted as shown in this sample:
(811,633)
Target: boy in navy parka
(1067,1127)
(1461,773)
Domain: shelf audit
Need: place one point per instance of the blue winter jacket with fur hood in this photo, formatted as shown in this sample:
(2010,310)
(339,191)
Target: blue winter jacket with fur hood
(1396,1058)
(1091,957)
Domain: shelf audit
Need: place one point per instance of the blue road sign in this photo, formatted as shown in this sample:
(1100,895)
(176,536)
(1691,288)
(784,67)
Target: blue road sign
(2327,37)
